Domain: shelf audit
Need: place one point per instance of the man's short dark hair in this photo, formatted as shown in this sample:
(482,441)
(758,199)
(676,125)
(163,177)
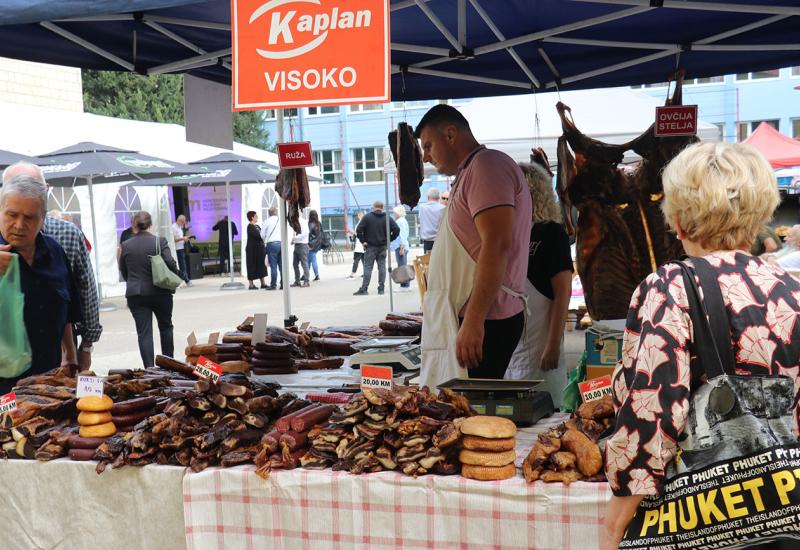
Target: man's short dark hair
(441,115)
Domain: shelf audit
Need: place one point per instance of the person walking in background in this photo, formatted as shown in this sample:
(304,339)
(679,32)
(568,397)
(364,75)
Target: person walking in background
(371,231)
(271,236)
(255,252)
(300,258)
(430,216)
(539,354)
(400,244)
(358,248)
(224,251)
(144,298)
(180,241)
(445,198)
(314,241)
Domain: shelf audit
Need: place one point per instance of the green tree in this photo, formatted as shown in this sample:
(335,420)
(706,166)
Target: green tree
(157,98)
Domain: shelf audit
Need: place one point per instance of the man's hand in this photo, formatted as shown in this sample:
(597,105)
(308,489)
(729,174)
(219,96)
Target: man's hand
(469,344)
(550,357)
(84,360)
(5,258)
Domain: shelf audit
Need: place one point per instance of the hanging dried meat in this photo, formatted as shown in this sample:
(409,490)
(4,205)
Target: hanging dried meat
(408,160)
(621,232)
(291,185)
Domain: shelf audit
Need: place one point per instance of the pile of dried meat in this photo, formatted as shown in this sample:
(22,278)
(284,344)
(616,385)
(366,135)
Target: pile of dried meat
(406,429)
(570,451)
(408,160)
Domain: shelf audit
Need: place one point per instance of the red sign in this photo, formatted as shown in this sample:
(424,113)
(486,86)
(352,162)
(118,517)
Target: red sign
(680,120)
(298,53)
(296,154)
(373,376)
(8,402)
(208,369)
(595,388)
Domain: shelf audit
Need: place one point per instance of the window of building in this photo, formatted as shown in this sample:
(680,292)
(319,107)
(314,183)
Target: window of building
(709,80)
(745,129)
(365,108)
(758,75)
(721,127)
(323,110)
(400,105)
(796,71)
(125,206)
(368,164)
(330,165)
(268,200)
(796,128)
(65,201)
(270,114)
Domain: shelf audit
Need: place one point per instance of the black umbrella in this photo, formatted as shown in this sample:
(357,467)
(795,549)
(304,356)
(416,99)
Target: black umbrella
(227,168)
(88,163)
(7,158)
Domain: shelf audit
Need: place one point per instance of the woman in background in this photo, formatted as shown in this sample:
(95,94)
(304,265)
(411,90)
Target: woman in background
(255,252)
(358,247)
(314,241)
(539,355)
(400,244)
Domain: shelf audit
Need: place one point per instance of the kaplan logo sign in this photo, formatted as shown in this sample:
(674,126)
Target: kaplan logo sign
(304,32)
(143,163)
(59,168)
(309,52)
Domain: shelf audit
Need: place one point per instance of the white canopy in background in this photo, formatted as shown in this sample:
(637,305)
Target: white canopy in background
(35,131)
(611,115)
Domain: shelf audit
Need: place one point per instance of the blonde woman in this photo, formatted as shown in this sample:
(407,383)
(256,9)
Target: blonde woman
(539,354)
(717,196)
(400,244)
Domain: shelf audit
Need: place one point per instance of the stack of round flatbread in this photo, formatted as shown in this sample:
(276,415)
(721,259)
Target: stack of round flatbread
(488,448)
(273,358)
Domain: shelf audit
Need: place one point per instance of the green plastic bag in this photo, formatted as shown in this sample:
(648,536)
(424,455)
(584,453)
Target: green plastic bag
(15,350)
(572,393)
(163,277)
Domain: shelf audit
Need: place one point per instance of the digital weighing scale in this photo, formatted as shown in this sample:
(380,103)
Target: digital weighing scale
(398,352)
(516,400)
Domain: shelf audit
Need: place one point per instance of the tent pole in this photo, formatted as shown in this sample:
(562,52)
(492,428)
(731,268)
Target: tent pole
(231,285)
(288,318)
(104,306)
(388,242)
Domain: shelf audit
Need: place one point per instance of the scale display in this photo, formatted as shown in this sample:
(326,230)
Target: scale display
(403,358)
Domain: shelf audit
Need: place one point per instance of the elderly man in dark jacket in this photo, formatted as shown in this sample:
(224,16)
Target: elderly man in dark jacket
(371,231)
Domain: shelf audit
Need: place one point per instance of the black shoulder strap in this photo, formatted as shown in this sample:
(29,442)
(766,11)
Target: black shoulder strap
(709,343)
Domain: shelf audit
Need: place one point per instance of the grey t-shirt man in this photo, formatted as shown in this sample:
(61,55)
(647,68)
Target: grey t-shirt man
(430,216)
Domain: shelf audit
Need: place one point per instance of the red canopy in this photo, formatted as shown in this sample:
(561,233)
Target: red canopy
(781,151)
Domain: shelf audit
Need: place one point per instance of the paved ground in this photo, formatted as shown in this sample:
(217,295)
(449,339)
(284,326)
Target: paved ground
(204,308)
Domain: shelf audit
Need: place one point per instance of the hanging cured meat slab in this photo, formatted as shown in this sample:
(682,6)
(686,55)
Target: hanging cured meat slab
(621,233)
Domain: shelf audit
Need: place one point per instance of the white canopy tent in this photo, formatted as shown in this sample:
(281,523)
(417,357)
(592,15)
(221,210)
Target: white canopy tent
(35,131)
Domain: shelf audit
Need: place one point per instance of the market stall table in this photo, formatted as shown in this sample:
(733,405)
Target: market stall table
(234,508)
(65,504)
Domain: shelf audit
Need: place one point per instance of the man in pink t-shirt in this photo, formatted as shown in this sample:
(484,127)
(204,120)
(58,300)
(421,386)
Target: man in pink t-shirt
(489,213)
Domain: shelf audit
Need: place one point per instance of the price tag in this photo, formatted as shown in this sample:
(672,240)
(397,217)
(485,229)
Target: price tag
(8,402)
(259,328)
(594,389)
(213,338)
(373,376)
(89,385)
(208,369)
(304,326)
(191,339)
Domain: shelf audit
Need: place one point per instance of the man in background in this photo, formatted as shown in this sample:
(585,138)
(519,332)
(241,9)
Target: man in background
(430,215)
(371,231)
(180,242)
(272,240)
(71,239)
(224,252)
(300,258)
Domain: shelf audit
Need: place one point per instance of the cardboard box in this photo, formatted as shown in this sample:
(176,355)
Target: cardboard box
(602,353)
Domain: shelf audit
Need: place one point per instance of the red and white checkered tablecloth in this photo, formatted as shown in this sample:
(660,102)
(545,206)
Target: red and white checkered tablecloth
(305,509)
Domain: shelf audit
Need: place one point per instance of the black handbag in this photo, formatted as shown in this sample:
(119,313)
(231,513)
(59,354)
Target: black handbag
(735,480)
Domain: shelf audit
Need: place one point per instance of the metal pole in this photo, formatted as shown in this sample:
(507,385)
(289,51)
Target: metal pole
(288,318)
(104,306)
(230,285)
(388,243)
